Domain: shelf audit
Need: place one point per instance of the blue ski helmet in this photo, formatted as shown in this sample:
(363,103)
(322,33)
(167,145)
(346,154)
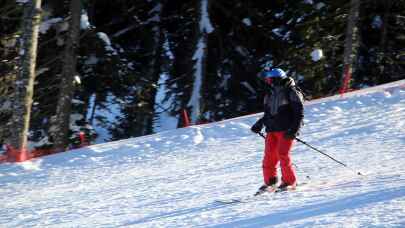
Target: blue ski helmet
(274,73)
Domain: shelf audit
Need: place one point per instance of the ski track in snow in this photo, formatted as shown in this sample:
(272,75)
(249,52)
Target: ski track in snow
(173,178)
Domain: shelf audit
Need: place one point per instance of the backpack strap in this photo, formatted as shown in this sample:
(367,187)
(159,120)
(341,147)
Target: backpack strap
(297,96)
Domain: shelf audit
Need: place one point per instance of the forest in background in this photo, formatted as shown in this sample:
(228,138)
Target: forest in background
(92,54)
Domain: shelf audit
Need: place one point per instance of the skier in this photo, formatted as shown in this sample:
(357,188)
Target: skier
(283,116)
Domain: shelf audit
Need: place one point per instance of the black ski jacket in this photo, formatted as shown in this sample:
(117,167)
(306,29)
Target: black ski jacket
(283,108)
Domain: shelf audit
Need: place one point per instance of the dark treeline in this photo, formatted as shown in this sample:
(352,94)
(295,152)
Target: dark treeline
(126,50)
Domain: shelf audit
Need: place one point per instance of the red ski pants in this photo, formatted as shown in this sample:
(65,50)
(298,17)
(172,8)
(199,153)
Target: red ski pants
(277,149)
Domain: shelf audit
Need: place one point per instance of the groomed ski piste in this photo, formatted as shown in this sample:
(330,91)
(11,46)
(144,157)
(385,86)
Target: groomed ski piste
(173,179)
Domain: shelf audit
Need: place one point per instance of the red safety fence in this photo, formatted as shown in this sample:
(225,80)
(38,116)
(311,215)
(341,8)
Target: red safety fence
(15,155)
(186,120)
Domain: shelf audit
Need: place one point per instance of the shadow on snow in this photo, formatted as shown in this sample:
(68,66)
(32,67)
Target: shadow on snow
(352,202)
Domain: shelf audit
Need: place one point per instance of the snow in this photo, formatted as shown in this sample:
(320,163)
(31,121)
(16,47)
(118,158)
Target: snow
(77,79)
(107,42)
(279,15)
(6,105)
(91,60)
(46,25)
(194,101)
(104,38)
(316,55)
(205,22)
(84,21)
(156,11)
(109,113)
(173,178)
(279,32)
(320,5)
(73,119)
(22,1)
(164,121)
(247,22)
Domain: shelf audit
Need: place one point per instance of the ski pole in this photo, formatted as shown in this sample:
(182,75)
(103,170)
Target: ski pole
(261,134)
(305,143)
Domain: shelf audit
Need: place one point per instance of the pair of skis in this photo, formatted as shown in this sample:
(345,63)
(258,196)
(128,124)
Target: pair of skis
(256,196)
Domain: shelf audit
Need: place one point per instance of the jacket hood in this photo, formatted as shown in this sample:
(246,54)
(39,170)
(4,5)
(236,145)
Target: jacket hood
(288,82)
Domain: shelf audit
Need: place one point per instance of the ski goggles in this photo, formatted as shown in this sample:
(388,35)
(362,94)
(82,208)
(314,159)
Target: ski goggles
(268,80)
(267,77)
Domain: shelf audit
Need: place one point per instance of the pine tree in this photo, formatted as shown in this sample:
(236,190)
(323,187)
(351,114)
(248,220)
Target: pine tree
(182,41)
(380,52)
(9,33)
(137,103)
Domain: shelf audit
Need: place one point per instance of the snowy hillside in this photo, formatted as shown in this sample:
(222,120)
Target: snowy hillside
(172,179)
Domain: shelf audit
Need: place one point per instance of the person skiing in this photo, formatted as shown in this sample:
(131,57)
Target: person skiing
(283,117)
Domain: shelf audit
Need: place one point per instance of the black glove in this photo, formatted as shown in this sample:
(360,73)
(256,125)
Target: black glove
(257,127)
(290,134)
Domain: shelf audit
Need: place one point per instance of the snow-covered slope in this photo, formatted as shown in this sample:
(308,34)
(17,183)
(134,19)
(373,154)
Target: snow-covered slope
(173,178)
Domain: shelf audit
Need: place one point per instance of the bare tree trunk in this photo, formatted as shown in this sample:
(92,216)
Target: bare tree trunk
(200,55)
(93,109)
(24,88)
(384,32)
(384,27)
(350,50)
(66,90)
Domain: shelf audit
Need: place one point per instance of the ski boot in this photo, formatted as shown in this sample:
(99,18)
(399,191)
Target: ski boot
(271,187)
(286,187)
